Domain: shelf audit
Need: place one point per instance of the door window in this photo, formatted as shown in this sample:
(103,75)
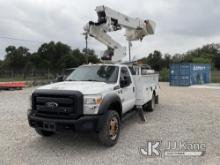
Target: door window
(125,79)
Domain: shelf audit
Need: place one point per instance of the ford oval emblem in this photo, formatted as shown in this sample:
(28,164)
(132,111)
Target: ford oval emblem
(51,105)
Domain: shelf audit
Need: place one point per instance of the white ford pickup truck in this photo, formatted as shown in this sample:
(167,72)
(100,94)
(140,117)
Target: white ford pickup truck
(95,98)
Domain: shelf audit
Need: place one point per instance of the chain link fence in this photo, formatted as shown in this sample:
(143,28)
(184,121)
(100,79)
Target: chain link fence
(32,78)
(43,77)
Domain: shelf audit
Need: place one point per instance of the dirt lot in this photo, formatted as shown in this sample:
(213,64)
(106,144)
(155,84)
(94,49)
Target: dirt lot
(190,114)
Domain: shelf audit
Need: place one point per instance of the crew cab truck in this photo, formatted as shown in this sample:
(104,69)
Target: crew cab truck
(95,98)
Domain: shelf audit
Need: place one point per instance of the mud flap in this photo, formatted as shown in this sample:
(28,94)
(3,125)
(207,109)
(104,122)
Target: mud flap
(157,99)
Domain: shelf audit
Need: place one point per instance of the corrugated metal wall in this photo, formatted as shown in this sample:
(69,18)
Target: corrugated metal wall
(189,74)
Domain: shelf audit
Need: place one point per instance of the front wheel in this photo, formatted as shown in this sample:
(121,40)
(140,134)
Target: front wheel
(109,134)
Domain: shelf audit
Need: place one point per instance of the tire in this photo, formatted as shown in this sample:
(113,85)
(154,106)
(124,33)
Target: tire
(44,133)
(145,107)
(151,104)
(109,134)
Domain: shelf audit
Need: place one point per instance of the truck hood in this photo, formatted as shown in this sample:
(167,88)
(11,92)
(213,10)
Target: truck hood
(83,86)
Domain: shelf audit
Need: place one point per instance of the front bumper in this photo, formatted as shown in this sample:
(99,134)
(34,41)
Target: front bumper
(83,123)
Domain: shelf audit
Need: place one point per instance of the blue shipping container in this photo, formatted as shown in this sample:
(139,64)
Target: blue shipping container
(187,74)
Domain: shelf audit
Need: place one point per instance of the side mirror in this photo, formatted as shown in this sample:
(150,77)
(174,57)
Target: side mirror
(60,78)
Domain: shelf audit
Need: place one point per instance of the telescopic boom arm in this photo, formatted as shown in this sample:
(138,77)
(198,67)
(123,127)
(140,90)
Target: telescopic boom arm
(110,20)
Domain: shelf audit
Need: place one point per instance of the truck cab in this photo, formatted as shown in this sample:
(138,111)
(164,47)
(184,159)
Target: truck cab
(92,98)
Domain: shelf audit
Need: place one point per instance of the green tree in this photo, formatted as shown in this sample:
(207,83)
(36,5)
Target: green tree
(52,54)
(73,59)
(92,57)
(207,54)
(89,51)
(167,60)
(155,60)
(79,57)
(1,64)
(177,58)
(217,61)
(16,58)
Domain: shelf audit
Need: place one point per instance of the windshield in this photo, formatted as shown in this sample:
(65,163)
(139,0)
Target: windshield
(100,73)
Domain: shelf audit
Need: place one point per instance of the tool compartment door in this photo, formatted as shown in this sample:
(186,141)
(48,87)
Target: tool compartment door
(145,85)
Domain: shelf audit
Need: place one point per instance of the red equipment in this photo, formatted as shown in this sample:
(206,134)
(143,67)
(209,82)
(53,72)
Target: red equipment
(10,85)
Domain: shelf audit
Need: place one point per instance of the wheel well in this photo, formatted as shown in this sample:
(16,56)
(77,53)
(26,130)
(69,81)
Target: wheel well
(116,106)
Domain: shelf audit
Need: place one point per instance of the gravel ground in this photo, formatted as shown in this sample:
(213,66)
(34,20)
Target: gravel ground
(183,114)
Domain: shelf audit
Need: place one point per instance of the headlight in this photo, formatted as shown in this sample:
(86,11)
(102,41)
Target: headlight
(92,100)
(91,103)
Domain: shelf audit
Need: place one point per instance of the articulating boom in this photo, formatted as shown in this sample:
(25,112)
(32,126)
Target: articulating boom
(110,20)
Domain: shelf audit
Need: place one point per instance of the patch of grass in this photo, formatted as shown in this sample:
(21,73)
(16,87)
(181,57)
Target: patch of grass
(164,75)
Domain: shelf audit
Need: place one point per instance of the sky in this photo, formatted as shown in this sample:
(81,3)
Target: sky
(180,25)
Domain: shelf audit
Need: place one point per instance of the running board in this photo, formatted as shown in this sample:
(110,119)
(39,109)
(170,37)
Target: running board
(128,114)
(132,112)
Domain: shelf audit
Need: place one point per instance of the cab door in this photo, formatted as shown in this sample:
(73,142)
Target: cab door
(127,89)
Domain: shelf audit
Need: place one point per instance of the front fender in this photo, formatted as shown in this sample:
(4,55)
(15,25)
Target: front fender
(108,101)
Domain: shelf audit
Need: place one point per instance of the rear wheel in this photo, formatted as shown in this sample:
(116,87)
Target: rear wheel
(43,132)
(151,104)
(109,134)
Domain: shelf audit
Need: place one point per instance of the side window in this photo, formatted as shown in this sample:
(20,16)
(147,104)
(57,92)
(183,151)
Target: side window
(132,70)
(125,79)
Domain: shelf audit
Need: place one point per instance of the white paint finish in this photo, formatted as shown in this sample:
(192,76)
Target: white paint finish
(127,94)
(86,87)
(110,20)
(129,98)
(144,86)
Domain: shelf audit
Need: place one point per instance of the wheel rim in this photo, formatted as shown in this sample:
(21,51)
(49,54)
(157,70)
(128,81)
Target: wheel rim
(113,128)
